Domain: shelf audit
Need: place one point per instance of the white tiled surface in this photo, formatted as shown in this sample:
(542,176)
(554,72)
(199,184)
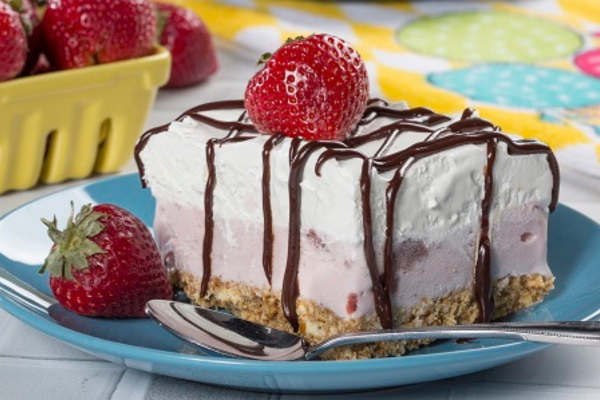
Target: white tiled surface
(35,366)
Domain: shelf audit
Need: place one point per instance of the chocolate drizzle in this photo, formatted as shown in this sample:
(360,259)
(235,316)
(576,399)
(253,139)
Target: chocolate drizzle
(470,125)
(290,290)
(385,132)
(468,130)
(381,294)
(294,148)
(208,215)
(483,284)
(467,113)
(380,108)
(266,202)
(236,128)
(391,193)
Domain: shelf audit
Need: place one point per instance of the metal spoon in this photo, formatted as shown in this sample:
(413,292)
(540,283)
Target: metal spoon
(23,293)
(228,335)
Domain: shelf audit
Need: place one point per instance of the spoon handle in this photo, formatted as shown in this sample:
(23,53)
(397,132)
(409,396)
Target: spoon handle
(23,293)
(568,332)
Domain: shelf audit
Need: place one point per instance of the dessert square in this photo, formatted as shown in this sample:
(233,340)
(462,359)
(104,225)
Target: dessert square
(414,219)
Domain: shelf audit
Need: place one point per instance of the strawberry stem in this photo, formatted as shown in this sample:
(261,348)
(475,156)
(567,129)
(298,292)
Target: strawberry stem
(265,57)
(16,5)
(292,40)
(26,23)
(72,246)
(161,22)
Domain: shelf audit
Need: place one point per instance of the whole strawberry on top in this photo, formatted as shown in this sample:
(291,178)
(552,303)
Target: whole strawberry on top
(189,41)
(315,87)
(79,33)
(105,263)
(13,40)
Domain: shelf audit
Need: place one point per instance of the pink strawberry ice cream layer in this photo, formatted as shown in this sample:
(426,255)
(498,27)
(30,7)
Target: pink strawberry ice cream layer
(334,273)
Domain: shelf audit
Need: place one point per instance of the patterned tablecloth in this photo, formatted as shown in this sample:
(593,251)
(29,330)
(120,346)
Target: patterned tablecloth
(532,66)
(34,366)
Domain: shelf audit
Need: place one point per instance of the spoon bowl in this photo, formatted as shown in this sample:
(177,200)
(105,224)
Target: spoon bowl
(225,334)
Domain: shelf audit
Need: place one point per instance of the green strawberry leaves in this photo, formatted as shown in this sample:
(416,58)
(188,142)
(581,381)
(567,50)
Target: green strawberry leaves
(264,58)
(162,17)
(16,5)
(296,39)
(72,246)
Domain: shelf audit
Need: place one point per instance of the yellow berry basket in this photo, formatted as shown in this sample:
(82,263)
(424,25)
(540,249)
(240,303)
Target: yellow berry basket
(69,124)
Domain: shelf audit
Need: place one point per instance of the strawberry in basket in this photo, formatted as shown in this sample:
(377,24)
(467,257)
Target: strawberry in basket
(18,21)
(79,33)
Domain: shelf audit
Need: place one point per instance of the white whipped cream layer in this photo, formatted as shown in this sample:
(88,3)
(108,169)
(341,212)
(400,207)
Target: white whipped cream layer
(436,190)
(439,203)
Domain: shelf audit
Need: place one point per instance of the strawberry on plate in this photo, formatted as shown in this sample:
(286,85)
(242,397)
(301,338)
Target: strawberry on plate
(105,263)
(79,33)
(315,88)
(13,41)
(190,44)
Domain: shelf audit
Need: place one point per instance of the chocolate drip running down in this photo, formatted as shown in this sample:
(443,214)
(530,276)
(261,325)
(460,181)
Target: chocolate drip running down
(482,274)
(290,290)
(467,130)
(266,203)
(211,182)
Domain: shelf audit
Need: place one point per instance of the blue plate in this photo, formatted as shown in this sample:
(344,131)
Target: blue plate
(574,254)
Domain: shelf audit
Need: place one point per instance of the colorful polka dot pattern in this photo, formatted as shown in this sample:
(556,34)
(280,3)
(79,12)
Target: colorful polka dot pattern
(489,36)
(589,62)
(521,86)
